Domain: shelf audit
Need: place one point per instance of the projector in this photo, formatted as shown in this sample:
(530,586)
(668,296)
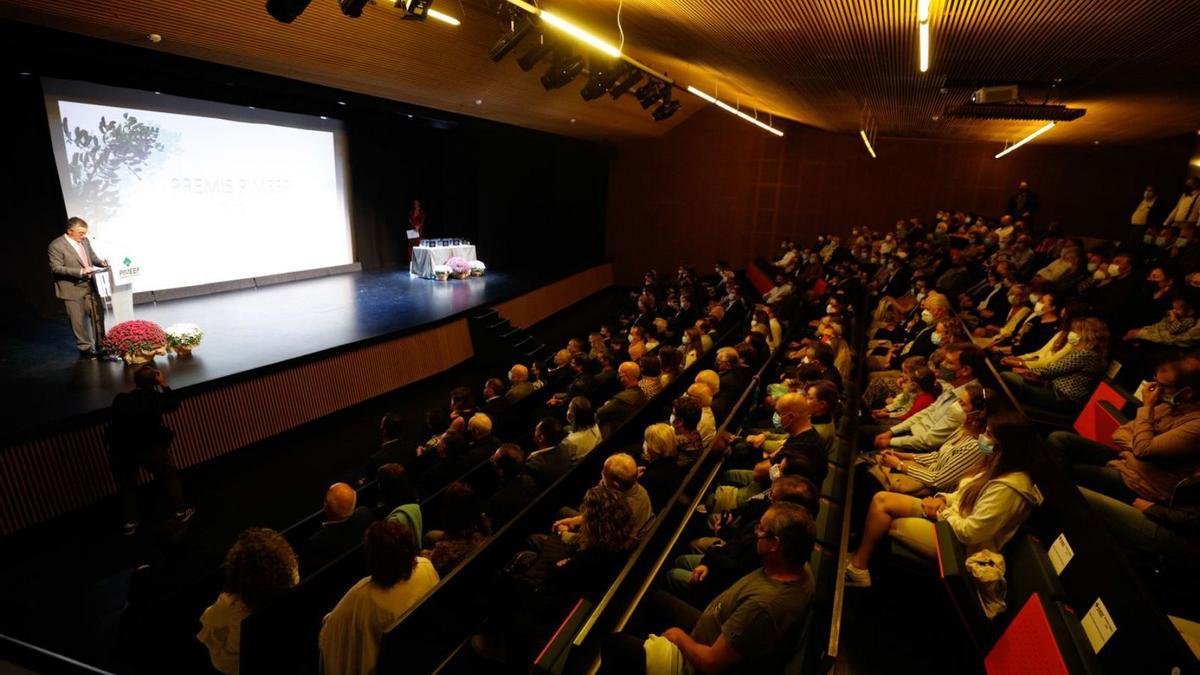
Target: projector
(1002,94)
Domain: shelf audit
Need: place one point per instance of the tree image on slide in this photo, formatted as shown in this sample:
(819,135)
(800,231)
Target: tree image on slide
(97,160)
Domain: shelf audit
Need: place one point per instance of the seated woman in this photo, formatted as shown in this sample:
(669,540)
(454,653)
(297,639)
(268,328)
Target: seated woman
(1065,385)
(462,408)
(260,567)
(1019,310)
(984,512)
(1042,325)
(1058,347)
(924,473)
(464,528)
(672,362)
(661,471)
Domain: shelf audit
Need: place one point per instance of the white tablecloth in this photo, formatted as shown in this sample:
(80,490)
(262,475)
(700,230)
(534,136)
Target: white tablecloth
(424,258)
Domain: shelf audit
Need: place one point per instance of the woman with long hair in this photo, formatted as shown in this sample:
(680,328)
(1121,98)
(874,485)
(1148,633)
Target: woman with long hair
(260,567)
(984,512)
(464,528)
(693,346)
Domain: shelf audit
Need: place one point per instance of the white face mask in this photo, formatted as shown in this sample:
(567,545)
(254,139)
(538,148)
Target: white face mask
(1092,267)
(687,340)
(775,472)
(1147,239)
(1038,307)
(1181,241)
(1114,270)
(1099,275)
(1159,241)
(927,316)
(936,338)
(830,309)
(1073,338)
(1033,298)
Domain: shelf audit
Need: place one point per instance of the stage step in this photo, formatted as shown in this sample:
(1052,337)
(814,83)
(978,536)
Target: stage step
(489,315)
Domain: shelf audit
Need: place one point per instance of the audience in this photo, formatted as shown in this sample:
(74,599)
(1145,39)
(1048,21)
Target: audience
(342,528)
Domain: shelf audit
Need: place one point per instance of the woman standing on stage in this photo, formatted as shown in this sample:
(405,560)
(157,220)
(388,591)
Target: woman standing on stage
(416,221)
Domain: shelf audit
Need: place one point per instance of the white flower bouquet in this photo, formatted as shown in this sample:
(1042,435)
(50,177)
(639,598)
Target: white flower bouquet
(182,338)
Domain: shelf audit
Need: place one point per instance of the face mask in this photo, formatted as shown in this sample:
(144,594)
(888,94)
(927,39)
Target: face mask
(1014,300)
(775,472)
(1072,338)
(1181,242)
(920,296)
(1038,307)
(1114,270)
(948,375)
(629,337)
(1033,298)
(1171,400)
(1099,275)
(1160,241)
(777,421)
(936,338)
(830,309)
(874,261)
(1147,239)
(806,360)
(986,446)
(687,340)
(753,323)
(1092,267)
(927,316)
(1147,195)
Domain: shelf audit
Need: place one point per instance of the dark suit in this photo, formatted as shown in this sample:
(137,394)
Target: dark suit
(508,499)
(1022,203)
(334,539)
(619,408)
(519,391)
(733,383)
(547,466)
(137,438)
(77,291)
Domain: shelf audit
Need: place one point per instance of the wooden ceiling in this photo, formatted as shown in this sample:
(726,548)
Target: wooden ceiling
(1134,64)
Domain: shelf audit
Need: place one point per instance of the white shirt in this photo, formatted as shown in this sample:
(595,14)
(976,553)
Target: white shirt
(221,632)
(352,632)
(580,443)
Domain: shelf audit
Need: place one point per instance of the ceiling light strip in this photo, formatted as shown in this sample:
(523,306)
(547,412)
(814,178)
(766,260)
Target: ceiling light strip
(1025,140)
(725,106)
(583,36)
(923,32)
(444,18)
(867,142)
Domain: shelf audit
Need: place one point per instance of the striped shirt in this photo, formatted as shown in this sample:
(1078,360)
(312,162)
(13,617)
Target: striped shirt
(946,466)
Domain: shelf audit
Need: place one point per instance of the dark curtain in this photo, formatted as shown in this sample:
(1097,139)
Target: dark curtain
(32,206)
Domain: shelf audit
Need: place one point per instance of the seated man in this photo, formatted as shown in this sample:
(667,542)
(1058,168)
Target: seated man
(752,627)
(495,403)
(341,530)
(622,406)
(927,430)
(393,447)
(514,487)
(718,561)
(521,387)
(707,426)
(480,441)
(552,459)
(620,473)
(1133,489)
(585,433)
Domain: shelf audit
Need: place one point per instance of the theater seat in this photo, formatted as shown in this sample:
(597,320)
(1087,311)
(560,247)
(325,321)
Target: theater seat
(1045,638)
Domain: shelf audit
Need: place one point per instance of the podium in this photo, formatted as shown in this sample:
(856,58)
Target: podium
(116,285)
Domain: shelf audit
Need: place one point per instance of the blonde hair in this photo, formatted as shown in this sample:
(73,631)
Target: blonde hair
(660,441)
(1093,333)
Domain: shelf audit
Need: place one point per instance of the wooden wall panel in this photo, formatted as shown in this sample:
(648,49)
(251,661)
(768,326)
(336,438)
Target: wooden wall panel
(48,476)
(716,188)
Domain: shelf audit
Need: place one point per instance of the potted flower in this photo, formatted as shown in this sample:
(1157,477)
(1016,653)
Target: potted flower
(441,272)
(182,338)
(460,268)
(137,342)
(478,268)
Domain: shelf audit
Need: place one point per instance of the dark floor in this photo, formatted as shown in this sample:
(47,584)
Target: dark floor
(243,330)
(64,583)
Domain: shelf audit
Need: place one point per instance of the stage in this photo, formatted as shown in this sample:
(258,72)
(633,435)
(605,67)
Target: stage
(244,331)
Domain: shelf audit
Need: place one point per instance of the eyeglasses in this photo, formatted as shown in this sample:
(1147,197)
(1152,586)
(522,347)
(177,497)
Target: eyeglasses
(763,534)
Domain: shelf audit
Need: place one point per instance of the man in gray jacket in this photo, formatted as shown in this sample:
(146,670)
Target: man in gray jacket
(73,267)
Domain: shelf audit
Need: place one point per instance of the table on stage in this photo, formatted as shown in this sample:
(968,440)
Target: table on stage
(424,258)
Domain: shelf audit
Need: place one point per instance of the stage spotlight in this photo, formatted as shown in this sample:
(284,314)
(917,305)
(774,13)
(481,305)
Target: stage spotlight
(650,93)
(353,8)
(602,77)
(564,69)
(522,26)
(625,84)
(286,11)
(530,58)
(667,108)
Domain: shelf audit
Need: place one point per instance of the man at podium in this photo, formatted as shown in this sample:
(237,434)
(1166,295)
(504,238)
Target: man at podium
(73,267)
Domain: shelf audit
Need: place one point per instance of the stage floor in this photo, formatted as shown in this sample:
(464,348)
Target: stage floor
(243,330)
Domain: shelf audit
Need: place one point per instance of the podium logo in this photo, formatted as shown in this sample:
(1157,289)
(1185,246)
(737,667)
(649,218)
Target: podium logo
(127,261)
(128,271)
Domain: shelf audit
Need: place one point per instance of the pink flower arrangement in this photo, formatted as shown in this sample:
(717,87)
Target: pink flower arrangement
(134,337)
(459,265)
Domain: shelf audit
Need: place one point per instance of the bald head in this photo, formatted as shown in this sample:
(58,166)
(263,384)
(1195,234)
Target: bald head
(620,471)
(340,500)
(793,412)
(710,379)
(518,373)
(629,373)
(480,426)
(561,357)
(701,393)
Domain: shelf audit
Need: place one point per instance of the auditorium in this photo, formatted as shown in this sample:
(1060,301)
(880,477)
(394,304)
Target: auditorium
(559,337)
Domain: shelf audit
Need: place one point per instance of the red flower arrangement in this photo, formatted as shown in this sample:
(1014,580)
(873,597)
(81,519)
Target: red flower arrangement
(134,337)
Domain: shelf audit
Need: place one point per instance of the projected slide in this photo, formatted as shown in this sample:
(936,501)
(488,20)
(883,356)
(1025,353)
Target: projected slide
(205,196)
